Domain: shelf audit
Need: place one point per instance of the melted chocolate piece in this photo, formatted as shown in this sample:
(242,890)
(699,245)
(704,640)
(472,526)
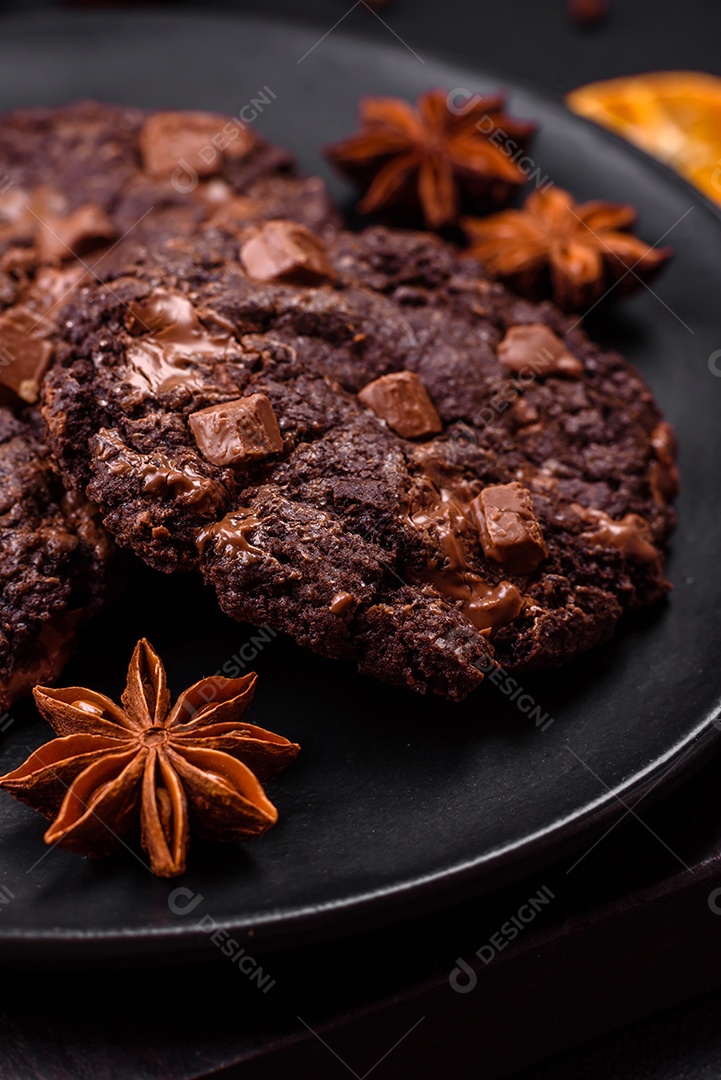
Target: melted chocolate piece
(486,606)
(508,527)
(284,251)
(159,476)
(663,481)
(174,338)
(237,431)
(403,402)
(534,351)
(230,534)
(54,284)
(631,536)
(24,354)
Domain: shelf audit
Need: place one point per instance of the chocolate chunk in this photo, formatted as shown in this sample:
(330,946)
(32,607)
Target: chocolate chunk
(60,237)
(287,252)
(199,138)
(241,430)
(534,351)
(631,536)
(24,355)
(341,602)
(663,476)
(508,528)
(403,402)
(171,317)
(663,481)
(488,607)
(54,284)
(663,441)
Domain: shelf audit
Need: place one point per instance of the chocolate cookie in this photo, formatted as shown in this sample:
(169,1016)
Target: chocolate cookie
(54,561)
(365,444)
(78,184)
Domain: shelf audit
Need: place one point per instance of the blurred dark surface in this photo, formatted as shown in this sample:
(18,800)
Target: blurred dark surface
(535,39)
(532,39)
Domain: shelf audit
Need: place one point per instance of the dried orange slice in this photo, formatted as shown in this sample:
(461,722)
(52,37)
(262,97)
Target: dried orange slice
(675,115)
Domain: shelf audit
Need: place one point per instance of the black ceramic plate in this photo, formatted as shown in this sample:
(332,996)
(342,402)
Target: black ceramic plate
(397,802)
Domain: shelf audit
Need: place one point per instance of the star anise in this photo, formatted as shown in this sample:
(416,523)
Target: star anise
(165,769)
(433,158)
(573,253)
